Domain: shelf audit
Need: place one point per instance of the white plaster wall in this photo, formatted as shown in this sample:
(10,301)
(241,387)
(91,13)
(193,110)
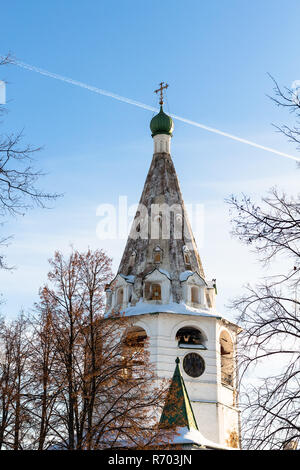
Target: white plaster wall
(162,143)
(206,415)
(229,422)
(206,393)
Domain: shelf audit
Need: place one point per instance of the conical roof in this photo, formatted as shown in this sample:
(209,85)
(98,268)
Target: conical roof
(161,225)
(178,411)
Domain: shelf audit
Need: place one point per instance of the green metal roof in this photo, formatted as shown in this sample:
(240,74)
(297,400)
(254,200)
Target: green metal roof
(161,123)
(178,411)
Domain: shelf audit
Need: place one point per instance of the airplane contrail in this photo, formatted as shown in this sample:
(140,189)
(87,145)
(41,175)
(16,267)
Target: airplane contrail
(150,108)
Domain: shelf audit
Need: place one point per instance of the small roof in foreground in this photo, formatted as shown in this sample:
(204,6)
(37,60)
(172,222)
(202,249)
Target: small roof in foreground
(178,411)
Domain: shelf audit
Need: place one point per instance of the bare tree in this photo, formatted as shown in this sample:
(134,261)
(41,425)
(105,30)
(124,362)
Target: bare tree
(71,378)
(290,99)
(44,389)
(15,382)
(7,382)
(269,313)
(106,391)
(18,176)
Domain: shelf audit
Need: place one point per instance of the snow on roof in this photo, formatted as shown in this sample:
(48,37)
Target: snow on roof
(129,279)
(166,273)
(162,271)
(142,308)
(186,274)
(192,436)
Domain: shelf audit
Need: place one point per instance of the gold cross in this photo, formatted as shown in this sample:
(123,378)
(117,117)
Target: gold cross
(160,90)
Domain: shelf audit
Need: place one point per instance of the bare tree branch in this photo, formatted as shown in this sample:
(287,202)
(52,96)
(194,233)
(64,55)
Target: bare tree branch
(18,176)
(290,99)
(270,315)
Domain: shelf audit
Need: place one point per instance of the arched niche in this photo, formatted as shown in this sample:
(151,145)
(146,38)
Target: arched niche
(227,358)
(195,295)
(119,292)
(120,296)
(133,351)
(189,337)
(187,257)
(152,291)
(157,255)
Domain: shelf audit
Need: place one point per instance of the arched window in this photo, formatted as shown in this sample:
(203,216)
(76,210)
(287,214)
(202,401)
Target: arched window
(157,254)
(190,338)
(133,351)
(152,291)
(108,292)
(132,258)
(120,295)
(209,297)
(195,295)
(227,363)
(131,262)
(156,225)
(156,292)
(187,258)
(157,257)
(186,255)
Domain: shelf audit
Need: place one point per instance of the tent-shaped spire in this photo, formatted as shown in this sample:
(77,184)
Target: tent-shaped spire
(178,411)
(160,245)
(162,198)
(161,225)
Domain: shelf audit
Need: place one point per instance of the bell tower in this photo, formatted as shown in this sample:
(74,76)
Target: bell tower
(162,289)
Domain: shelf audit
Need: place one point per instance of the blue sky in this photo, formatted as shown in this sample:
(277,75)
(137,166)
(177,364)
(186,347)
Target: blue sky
(215,56)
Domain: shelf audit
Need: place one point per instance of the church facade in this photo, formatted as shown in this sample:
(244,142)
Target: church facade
(162,289)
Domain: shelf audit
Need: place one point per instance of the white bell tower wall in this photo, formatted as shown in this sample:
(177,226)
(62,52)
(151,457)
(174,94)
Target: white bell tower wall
(213,401)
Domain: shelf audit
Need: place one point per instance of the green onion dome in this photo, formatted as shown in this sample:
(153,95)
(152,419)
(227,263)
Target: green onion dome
(161,124)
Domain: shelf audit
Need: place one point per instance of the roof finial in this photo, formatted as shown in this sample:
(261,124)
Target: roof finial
(160,90)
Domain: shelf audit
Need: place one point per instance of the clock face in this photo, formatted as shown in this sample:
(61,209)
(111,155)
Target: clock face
(193,365)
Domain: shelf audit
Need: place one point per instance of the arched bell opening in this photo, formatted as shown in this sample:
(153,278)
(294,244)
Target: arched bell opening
(227,359)
(133,350)
(190,337)
(135,337)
